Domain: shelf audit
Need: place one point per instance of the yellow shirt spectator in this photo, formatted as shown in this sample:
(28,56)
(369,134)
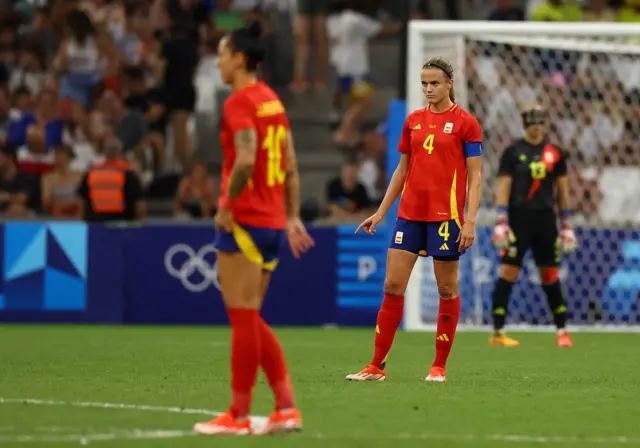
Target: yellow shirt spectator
(630,13)
(557,11)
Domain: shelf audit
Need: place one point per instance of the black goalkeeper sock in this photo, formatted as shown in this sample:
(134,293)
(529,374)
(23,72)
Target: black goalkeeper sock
(556,303)
(500,302)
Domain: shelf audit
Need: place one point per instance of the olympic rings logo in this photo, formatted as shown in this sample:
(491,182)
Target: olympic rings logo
(193,262)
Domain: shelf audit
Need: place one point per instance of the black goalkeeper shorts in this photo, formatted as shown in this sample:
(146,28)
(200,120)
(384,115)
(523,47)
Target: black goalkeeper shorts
(536,230)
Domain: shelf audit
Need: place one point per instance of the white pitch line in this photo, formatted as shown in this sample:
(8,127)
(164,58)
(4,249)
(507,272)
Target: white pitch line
(256,420)
(85,439)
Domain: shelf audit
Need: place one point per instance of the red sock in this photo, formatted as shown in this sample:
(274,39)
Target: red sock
(245,358)
(389,319)
(448,315)
(275,367)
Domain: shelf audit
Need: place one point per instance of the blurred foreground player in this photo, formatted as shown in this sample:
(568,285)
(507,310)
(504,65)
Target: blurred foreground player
(530,170)
(258,208)
(440,151)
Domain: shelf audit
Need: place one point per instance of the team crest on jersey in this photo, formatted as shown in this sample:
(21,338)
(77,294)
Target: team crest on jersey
(549,157)
(399,236)
(448,128)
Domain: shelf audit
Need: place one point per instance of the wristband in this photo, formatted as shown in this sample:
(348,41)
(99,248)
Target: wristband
(502,209)
(565,215)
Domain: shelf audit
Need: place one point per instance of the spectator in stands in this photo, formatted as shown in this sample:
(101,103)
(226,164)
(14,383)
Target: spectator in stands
(506,10)
(129,125)
(599,11)
(17,190)
(60,187)
(8,47)
(29,70)
(557,11)
(5,114)
(193,17)
(79,57)
(43,34)
(225,18)
(196,194)
(111,191)
(371,172)
(128,42)
(351,32)
(35,157)
(347,198)
(150,102)
(176,70)
(46,115)
(630,12)
(21,103)
(312,14)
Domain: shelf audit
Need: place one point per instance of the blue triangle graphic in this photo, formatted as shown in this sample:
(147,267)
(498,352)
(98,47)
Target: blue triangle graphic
(17,237)
(32,259)
(57,258)
(72,239)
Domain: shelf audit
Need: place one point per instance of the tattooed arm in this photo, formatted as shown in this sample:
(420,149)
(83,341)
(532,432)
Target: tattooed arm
(246,143)
(292,182)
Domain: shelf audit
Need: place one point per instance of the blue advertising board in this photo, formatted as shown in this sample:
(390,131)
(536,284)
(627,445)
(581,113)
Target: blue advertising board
(48,276)
(171,278)
(73,272)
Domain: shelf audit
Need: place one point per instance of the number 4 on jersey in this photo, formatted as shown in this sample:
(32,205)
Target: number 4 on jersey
(274,143)
(428,143)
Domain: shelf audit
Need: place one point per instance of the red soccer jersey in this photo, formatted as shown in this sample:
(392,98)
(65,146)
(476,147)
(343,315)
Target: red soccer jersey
(436,185)
(261,203)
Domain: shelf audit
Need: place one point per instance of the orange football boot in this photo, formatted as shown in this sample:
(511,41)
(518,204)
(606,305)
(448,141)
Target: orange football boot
(369,373)
(564,340)
(226,425)
(280,422)
(436,375)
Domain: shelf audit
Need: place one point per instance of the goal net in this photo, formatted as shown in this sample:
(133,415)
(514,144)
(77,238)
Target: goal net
(588,78)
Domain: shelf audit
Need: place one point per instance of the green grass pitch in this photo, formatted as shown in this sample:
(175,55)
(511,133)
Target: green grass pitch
(534,395)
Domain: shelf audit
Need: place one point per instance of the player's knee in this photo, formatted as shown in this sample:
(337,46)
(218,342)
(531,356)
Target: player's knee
(509,273)
(394,287)
(550,275)
(448,290)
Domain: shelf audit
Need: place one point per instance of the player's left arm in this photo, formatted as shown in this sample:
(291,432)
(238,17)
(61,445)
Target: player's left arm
(299,239)
(567,238)
(472,147)
(292,180)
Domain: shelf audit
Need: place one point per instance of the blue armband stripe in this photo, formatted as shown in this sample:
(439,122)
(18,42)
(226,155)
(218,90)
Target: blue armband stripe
(472,149)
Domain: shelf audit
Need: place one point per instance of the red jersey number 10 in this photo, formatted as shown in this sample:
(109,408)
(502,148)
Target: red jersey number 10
(428,143)
(274,143)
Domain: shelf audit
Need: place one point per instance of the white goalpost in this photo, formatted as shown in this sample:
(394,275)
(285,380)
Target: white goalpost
(588,77)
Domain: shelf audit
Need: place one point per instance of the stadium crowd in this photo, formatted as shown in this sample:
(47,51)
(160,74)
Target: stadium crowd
(89,82)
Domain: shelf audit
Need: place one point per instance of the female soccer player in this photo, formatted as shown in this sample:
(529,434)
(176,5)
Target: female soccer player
(259,203)
(529,170)
(441,148)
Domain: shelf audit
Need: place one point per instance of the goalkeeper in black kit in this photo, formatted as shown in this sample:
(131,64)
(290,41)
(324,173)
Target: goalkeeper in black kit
(531,170)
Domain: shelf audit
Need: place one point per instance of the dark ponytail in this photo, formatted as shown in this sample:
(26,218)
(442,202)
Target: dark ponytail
(247,40)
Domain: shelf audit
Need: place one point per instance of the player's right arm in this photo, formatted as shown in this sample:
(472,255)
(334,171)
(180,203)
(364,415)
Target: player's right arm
(502,234)
(396,185)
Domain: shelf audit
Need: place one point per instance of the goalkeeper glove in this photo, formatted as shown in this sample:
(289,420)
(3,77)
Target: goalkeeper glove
(567,240)
(503,236)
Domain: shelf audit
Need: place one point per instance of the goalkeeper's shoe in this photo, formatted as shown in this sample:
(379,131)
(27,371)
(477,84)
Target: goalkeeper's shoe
(564,340)
(224,425)
(369,373)
(502,340)
(281,421)
(436,375)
